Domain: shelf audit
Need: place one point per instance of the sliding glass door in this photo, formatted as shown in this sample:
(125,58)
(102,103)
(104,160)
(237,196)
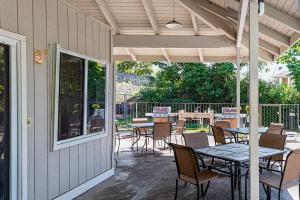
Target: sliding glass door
(4,123)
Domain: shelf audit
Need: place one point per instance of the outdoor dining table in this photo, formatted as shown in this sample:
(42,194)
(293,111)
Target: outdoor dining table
(243,131)
(238,154)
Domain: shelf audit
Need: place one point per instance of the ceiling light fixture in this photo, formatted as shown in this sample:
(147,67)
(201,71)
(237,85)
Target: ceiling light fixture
(174,24)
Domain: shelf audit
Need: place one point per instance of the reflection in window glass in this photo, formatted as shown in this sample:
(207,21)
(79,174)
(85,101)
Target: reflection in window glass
(71,84)
(95,98)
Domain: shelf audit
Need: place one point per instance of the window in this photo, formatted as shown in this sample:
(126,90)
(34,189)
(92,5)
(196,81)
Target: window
(80,100)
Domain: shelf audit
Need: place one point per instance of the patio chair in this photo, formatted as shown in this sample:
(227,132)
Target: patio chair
(275,128)
(225,124)
(188,169)
(218,134)
(273,141)
(285,179)
(179,129)
(161,131)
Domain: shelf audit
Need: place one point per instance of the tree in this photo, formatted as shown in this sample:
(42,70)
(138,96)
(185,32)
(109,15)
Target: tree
(292,59)
(138,68)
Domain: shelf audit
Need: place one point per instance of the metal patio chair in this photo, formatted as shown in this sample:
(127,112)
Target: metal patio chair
(275,128)
(188,169)
(273,141)
(285,179)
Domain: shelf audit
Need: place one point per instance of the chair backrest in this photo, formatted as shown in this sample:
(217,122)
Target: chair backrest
(140,121)
(218,134)
(273,141)
(291,168)
(275,128)
(162,130)
(196,140)
(224,124)
(180,126)
(186,161)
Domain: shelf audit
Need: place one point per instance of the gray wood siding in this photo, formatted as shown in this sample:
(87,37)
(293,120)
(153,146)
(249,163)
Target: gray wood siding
(44,23)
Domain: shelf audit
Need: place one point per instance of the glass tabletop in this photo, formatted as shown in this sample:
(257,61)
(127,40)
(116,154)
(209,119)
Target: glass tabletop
(236,152)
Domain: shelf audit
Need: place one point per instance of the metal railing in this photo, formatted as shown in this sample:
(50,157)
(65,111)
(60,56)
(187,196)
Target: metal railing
(288,114)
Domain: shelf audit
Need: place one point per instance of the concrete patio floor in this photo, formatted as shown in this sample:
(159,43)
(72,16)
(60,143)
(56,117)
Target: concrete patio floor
(140,175)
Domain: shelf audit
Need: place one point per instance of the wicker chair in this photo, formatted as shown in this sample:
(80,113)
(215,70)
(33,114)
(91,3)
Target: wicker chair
(179,129)
(161,131)
(273,141)
(275,128)
(218,134)
(188,169)
(225,124)
(196,140)
(285,179)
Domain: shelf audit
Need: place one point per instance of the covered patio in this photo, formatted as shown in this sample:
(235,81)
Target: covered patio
(205,31)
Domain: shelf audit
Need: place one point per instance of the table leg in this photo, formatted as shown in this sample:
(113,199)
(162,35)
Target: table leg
(239,181)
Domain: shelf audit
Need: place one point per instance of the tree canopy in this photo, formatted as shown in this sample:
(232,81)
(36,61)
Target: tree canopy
(292,59)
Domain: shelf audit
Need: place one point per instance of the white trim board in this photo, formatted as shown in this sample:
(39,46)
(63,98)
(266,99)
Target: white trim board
(86,186)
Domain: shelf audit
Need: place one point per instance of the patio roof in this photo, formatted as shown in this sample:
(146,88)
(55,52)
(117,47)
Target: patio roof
(211,29)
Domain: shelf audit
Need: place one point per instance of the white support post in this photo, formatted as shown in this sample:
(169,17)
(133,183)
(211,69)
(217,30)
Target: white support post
(238,86)
(253,51)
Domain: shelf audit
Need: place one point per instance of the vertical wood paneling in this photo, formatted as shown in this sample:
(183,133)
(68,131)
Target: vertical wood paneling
(90,145)
(53,157)
(26,28)
(40,76)
(64,156)
(45,22)
(9,15)
(82,147)
(72,16)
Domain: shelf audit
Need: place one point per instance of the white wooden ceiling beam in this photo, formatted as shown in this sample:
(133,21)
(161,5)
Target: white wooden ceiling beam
(241,21)
(283,18)
(172,41)
(200,55)
(195,25)
(151,17)
(131,54)
(166,55)
(233,15)
(109,17)
(194,59)
(213,21)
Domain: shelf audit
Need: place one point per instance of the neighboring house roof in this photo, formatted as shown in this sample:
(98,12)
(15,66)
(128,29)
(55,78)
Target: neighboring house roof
(281,71)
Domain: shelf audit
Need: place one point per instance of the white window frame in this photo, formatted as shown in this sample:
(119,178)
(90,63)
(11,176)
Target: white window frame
(18,113)
(84,137)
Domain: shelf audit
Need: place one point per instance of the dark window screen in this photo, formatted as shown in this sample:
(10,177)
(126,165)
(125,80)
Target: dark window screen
(4,123)
(71,95)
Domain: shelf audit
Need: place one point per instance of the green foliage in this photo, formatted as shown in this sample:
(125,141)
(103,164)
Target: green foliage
(292,59)
(138,68)
(215,83)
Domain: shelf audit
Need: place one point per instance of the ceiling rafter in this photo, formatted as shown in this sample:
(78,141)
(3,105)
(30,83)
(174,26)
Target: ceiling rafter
(233,15)
(200,53)
(131,54)
(151,17)
(213,21)
(241,21)
(109,17)
(166,55)
(195,25)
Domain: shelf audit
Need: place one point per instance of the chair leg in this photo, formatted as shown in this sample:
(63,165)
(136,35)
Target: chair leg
(198,195)
(176,189)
